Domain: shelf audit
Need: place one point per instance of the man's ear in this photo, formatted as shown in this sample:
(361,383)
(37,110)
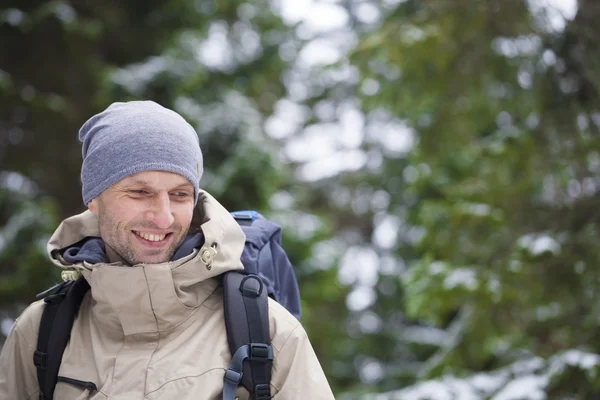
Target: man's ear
(92,205)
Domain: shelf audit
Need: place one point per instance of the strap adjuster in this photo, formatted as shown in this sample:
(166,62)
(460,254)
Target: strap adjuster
(40,360)
(260,352)
(262,392)
(233,376)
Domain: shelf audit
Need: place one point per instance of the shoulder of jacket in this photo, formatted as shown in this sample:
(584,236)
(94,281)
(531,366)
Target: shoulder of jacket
(283,326)
(28,323)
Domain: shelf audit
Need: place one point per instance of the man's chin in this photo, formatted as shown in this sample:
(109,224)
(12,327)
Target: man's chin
(153,259)
(146,252)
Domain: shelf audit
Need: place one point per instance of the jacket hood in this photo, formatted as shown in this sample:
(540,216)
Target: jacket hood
(147,298)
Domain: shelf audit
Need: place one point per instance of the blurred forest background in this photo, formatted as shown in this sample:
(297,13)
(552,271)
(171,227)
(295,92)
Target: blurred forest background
(435,166)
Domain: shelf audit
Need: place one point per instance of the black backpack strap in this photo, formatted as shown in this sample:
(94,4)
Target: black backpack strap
(55,331)
(247,323)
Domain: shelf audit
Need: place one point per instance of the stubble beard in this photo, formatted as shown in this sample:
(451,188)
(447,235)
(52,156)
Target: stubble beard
(109,231)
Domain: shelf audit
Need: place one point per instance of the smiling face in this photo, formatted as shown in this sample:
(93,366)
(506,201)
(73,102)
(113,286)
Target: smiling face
(144,217)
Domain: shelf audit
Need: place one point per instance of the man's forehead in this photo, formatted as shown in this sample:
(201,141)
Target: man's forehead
(156,177)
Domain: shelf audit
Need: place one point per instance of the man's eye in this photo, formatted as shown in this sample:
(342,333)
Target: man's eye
(181,194)
(138,191)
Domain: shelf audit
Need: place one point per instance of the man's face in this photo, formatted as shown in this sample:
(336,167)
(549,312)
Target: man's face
(146,216)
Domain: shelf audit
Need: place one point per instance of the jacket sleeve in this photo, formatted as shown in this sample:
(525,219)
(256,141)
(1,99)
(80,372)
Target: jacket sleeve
(296,372)
(18,376)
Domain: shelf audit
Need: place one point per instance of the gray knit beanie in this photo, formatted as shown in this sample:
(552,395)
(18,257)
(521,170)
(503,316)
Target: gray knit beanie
(137,136)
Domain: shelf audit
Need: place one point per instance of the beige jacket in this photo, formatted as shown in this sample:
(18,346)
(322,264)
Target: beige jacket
(157,331)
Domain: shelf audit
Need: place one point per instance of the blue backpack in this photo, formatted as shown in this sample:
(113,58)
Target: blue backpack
(264,256)
(267,273)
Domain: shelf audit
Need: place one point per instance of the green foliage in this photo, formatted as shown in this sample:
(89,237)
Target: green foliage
(26,228)
(504,108)
(567,375)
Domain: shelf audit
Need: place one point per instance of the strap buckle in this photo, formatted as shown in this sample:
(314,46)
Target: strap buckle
(262,392)
(260,352)
(40,359)
(233,376)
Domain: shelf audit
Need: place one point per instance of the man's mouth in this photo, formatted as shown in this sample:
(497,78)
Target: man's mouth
(152,237)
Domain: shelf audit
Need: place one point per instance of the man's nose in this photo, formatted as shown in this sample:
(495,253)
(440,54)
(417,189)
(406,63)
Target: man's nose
(161,213)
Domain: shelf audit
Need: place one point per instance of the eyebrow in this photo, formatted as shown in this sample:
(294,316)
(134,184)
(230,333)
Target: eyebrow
(143,182)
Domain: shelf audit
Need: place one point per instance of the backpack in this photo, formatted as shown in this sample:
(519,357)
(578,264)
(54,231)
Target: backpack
(267,273)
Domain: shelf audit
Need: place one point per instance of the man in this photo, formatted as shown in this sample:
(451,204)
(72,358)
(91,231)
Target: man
(152,326)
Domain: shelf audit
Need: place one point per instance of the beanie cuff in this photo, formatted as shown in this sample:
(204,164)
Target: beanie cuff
(90,193)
